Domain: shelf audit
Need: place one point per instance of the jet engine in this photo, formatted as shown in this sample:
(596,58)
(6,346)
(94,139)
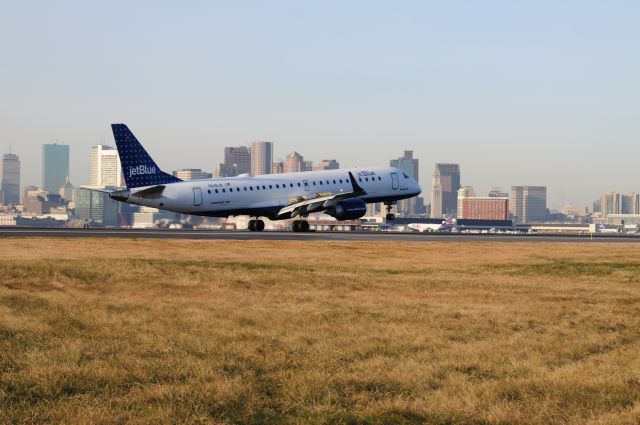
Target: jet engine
(349,209)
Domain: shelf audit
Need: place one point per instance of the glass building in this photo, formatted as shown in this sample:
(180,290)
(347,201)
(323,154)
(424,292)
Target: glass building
(10,184)
(55,167)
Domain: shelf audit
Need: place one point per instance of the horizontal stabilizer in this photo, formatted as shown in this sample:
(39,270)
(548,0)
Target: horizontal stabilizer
(150,192)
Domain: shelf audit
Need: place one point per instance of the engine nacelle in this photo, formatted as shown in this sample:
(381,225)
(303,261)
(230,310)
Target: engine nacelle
(349,209)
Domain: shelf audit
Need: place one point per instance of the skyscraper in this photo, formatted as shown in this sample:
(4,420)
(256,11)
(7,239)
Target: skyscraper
(105,167)
(630,203)
(610,203)
(444,191)
(528,204)
(237,160)
(55,167)
(619,203)
(261,158)
(10,184)
(410,166)
(293,163)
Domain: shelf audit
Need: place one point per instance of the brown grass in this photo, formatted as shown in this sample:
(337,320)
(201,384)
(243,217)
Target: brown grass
(142,331)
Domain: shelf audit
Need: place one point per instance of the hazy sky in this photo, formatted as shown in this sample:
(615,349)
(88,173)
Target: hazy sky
(539,92)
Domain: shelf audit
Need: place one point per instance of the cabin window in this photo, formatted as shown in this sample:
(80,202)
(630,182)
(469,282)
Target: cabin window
(270,187)
(379,178)
(264,187)
(277,186)
(328,182)
(360,178)
(334,182)
(223,191)
(209,191)
(366,179)
(320,182)
(250,187)
(291,184)
(298,185)
(257,187)
(216,190)
(340,181)
(314,183)
(245,188)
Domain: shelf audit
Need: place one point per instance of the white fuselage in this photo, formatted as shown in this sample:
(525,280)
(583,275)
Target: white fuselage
(265,195)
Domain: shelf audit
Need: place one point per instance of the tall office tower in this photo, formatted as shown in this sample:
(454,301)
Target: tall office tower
(237,160)
(410,166)
(10,185)
(191,174)
(261,158)
(629,203)
(55,166)
(609,203)
(325,164)
(293,163)
(444,192)
(528,204)
(463,193)
(105,167)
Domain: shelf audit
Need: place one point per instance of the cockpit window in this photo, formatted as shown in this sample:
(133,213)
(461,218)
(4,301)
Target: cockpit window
(405,176)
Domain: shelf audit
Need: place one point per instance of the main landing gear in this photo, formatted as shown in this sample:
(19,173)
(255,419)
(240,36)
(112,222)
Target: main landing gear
(256,225)
(300,226)
(390,216)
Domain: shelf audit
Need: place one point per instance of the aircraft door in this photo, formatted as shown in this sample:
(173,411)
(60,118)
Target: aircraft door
(197,196)
(306,185)
(395,183)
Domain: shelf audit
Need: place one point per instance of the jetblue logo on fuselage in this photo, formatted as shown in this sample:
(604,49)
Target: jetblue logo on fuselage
(141,170)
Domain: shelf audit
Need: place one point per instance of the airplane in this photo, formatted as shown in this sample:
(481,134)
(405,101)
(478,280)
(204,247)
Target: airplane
(601,228)
(342,194)
(447,225)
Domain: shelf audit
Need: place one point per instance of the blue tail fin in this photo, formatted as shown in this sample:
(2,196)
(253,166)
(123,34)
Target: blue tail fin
(137,166)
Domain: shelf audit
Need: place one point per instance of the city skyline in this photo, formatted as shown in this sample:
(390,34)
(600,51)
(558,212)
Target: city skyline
(426,195)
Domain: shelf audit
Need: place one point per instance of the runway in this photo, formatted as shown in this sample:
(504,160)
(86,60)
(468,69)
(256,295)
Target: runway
(310,236)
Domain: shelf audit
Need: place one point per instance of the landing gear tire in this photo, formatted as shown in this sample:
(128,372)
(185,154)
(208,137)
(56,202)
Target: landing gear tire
(391,217)
(300,226)
(256,225)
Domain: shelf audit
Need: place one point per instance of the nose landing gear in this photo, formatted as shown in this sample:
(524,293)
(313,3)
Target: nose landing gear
(256,225)
(390,216)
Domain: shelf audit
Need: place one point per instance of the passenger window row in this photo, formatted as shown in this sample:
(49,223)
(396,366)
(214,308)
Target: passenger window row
(284,185)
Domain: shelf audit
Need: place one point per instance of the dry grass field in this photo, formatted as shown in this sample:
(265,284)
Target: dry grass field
(143,331)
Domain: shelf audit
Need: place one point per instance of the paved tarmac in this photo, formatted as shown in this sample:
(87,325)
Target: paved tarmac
(310,236)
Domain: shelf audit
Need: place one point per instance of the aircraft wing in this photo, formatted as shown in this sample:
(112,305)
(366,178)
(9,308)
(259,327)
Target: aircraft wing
(321,200)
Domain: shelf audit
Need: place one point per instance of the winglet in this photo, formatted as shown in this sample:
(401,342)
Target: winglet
(354,184)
